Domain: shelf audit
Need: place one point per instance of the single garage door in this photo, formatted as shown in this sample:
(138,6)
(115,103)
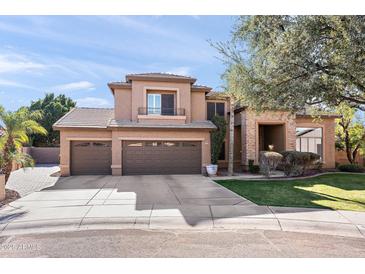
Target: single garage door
(91,158)
(161,157)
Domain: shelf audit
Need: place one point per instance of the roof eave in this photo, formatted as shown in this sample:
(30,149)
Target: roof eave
(334,116)
(160,79)
(114,85)
(78,127)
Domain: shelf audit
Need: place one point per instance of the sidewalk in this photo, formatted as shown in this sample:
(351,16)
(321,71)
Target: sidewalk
(185,217)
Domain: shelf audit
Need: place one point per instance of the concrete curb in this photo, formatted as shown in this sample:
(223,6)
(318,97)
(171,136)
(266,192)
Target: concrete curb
(343,228)
(241,178)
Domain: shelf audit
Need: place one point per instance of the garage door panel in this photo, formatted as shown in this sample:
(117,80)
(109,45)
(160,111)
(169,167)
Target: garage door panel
(156,157)
(91,158)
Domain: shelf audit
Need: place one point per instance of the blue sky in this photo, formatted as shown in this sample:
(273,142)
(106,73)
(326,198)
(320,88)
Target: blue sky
(78,56)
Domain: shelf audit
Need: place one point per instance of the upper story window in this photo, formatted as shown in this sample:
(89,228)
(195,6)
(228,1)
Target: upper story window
(154,103)
(160,104)
(214,108)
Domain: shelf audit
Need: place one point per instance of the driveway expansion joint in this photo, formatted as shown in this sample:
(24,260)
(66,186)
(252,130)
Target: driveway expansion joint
(193,203)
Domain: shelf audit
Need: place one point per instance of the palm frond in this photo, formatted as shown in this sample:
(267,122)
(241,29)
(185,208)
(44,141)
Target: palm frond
(23,159)
(32,127)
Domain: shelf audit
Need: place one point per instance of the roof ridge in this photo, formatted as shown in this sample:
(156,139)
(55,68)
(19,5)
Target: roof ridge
(93,108)
(159,73)
(64,116)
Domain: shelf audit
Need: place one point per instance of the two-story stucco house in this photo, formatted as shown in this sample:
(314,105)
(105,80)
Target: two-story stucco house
(160,124)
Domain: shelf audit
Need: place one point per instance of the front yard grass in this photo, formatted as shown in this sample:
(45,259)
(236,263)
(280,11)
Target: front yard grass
(335,191)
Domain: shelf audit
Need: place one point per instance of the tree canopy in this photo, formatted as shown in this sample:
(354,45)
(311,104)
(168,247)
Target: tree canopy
(350,132)
(294,61)
(52,108)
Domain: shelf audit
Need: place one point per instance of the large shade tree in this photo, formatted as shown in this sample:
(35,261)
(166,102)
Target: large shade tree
(350,133)
(17,126)
(294,61)
(52,108)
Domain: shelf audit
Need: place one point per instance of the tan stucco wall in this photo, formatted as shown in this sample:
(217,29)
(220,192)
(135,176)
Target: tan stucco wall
(250,122)
(140,88)
(328,129)
(123,104)
(198,106)
(117,136)
(341,158)
(137,134)
(67,135)
(161,119)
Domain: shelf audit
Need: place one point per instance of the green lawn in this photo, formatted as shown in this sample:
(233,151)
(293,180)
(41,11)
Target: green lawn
(336,191)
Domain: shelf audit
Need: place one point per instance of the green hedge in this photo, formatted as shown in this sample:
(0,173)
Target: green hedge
(351,168)
(295,163)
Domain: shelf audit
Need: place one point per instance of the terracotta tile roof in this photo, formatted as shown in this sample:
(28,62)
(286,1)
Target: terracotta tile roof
(161,76)
(216,94)
(86,117)
(201,87)
(120,84)
(103,118)
(130,124)
(327,115)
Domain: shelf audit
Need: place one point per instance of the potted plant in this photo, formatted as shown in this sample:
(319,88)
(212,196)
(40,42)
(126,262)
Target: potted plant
(217,139)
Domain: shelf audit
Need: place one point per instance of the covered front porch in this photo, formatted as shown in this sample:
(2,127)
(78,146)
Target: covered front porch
(271,137)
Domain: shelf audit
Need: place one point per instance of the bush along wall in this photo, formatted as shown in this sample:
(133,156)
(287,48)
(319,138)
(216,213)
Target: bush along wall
(295,163)
(351,168)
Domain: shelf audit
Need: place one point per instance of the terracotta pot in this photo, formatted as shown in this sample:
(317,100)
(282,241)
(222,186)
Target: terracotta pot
(2,187)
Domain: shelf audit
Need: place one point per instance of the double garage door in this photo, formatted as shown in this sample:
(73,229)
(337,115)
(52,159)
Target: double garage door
(138,157)
(161,157)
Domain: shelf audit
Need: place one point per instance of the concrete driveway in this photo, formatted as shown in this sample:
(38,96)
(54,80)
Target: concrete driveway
(161,202)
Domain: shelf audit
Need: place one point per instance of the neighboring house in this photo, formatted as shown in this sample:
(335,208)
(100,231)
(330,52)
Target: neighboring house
(160,124)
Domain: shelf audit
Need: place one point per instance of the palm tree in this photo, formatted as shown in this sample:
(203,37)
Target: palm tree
(18,125)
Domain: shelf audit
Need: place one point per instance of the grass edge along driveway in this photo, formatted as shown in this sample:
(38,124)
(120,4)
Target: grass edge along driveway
(334,191)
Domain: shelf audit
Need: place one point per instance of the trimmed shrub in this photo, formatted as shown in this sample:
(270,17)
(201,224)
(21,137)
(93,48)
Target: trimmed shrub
(351,168)
(252,168)
(295,163)
(318,165)
(269,161)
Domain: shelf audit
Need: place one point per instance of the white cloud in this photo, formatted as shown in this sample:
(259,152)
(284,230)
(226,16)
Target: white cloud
(93,102)
(18,63)
(8,83)
(82,85)
(139,25)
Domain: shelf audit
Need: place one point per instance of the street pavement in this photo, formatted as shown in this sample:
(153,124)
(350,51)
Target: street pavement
(176,243)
